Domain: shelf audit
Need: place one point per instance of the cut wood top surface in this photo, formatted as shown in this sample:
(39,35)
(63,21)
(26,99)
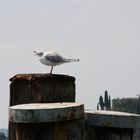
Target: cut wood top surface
(33,76)
(113,119)
(114,113)
(45,112)
(42,106)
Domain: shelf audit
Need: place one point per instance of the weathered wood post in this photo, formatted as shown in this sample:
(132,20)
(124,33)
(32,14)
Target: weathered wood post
(48,121)
(111,125)
(40,88)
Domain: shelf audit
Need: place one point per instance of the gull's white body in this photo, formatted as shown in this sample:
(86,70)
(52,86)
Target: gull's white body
(52,59)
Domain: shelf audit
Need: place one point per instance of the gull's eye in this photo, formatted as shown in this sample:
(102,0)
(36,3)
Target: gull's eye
(40,54)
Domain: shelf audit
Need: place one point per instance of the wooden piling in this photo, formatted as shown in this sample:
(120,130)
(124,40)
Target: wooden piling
(111,125)
(40,88)
(50,121)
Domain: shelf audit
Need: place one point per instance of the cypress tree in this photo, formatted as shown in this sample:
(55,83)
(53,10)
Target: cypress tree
(107,101)
(101,102)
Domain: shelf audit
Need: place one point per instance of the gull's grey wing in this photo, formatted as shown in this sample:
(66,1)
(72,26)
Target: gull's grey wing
(55,58)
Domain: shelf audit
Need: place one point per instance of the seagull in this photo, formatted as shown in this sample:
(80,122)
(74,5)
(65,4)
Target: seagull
(52,59)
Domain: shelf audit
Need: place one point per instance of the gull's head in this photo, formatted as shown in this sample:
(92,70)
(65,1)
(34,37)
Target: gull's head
(40,54)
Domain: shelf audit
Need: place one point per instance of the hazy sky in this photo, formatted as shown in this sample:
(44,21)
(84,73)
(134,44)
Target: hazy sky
(103,34)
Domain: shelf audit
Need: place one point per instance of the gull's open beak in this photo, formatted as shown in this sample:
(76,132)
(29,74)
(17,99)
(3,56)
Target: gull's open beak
(35,53)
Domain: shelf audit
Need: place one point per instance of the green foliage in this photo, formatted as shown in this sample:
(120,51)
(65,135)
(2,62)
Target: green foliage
(131,105)
(107,101)
(105,104)
(101,102)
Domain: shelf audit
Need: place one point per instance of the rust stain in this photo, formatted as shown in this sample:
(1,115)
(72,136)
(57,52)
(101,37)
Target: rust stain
(73,114)
(33,76)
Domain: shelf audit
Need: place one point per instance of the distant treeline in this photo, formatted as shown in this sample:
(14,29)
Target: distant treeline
(131,105)
(2,136)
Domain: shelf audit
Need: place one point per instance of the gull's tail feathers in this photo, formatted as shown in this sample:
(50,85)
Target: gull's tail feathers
(73,60)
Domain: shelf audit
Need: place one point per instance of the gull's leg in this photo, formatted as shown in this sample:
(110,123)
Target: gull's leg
(51,69)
